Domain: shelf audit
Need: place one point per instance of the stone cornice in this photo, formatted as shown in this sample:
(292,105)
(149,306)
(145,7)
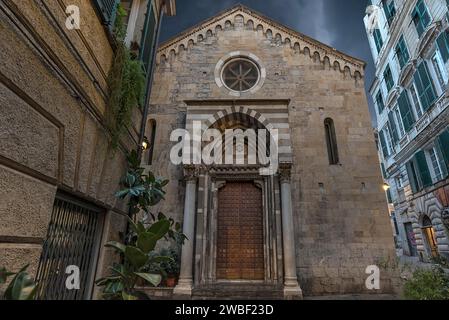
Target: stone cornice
(297,41)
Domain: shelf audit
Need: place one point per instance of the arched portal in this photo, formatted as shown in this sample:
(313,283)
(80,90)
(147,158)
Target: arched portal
(430,240)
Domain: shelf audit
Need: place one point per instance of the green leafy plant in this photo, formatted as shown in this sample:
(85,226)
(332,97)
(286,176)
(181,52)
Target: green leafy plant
(171,267)
(440,261)
(139,259)
(430,284)
(21,287)
(126,83)
(138,256)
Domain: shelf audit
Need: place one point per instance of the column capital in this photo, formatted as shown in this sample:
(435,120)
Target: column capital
(285,170)
(191,173)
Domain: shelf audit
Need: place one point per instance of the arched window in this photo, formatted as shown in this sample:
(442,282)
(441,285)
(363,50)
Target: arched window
(331,140)
(151,139)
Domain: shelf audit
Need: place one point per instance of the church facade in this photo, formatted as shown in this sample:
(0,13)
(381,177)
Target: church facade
(319,219)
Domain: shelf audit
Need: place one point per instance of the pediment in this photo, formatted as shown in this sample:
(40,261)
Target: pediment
(407,72)
(247,19)
(392,97)
(427,38)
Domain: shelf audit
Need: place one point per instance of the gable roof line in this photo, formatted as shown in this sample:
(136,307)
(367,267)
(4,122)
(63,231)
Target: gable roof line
(239,7)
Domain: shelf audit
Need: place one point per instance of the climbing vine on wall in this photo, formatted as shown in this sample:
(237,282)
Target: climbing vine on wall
(126,82)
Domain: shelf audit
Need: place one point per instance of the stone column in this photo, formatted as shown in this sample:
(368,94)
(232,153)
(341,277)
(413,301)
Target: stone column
(184,287)
(292,289)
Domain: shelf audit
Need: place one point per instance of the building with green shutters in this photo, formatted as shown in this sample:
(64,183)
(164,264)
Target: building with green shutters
(410,46)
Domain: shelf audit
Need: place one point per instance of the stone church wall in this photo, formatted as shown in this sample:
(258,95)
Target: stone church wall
(340,212)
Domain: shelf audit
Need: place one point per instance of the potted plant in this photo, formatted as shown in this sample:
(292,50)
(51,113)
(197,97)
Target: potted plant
(140,261)
(171,267)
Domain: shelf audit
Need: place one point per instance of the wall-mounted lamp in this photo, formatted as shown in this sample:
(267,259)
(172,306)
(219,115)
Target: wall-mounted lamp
(145,144)
(386,187)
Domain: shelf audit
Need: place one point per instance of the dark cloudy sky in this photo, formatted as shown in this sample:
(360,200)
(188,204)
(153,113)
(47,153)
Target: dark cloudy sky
(338,23)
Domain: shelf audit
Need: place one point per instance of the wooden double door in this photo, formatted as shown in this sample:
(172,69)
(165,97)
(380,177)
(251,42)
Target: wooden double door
(240,236)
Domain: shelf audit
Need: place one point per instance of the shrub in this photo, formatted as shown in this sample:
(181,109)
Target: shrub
(428,285)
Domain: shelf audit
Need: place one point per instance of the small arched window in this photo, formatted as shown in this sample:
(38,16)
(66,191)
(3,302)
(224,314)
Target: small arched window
(152,139)
(331,140)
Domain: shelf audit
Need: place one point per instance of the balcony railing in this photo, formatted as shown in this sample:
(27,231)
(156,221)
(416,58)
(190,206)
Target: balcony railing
(422,123)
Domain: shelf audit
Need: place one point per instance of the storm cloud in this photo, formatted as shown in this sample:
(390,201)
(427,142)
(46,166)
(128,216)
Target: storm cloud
(338,23)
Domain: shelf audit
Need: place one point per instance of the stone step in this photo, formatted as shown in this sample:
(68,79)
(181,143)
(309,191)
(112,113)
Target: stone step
(238,292)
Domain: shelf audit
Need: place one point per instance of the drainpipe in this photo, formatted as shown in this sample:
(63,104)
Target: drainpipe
(150,83)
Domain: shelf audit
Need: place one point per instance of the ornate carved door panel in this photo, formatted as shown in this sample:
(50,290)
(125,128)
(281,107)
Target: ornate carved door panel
(240,245)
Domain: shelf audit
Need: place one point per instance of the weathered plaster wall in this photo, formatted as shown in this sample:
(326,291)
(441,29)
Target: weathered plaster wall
(52,128)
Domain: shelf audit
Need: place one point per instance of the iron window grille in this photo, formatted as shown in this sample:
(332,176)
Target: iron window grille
(73,239)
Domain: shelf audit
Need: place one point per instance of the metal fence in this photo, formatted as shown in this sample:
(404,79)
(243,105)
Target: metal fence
(73,239)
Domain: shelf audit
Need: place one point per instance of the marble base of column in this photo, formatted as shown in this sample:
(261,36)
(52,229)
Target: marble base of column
(183,289)
(292,290)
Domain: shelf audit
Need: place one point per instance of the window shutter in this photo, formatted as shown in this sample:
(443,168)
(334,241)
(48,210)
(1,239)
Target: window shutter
(388,76)
(389,197)
(402,52)
(378,40)
(408,119)
(412,176)
(424,84)
(384,172)
(383,144)
(148,38)
(443,45)
(423,169)
(390,10)
(107,10)
(441,159)
(443,144)
(393,129)
(420,17)
(380,102)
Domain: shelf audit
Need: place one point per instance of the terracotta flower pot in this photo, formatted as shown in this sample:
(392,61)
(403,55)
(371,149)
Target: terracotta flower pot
(171,281)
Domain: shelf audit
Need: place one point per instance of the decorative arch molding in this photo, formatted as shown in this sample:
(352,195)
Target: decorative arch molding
(428,206)
(224,113)
(297,42)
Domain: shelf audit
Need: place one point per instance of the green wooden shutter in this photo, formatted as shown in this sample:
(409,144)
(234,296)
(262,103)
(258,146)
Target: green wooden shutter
(443,45)
(108,11)
(423,169)
(412,176)
(390,11)
(402,52)
(380,102)
(420,17)
(443,144)
(378,40)
(424,85)
(148,38)
(408,119)
(388,76)
(393,128)
(441,158)
(384,172)
(389,197)
(383,144)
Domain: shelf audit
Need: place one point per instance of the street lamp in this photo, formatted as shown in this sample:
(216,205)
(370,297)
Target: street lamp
(386,187)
